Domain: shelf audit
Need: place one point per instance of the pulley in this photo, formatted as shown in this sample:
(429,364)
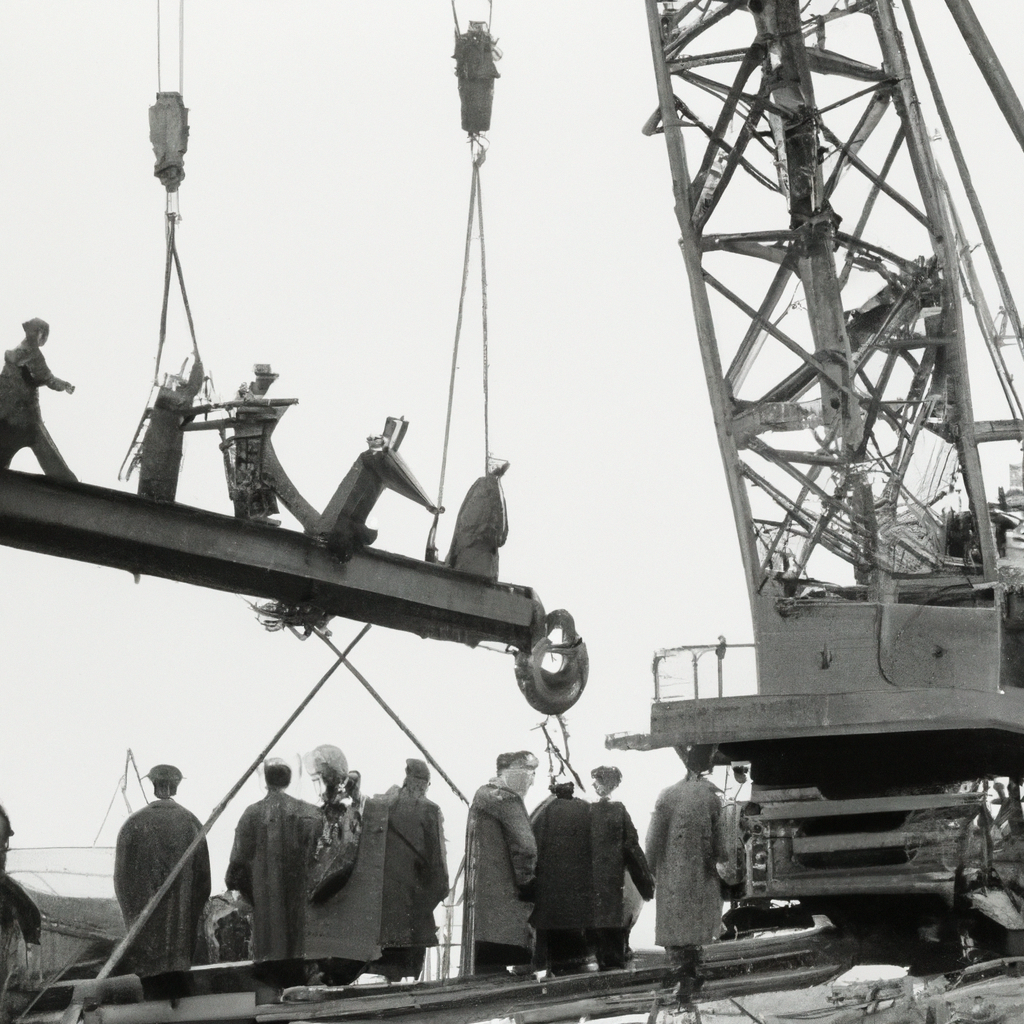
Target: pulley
(475,54)
(168,131)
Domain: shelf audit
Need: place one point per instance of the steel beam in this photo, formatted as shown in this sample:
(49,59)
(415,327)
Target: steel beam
(207,549)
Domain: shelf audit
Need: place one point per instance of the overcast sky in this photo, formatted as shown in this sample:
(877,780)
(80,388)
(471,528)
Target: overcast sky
(323,222)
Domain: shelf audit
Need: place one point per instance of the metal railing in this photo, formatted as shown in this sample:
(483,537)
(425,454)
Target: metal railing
(664,679)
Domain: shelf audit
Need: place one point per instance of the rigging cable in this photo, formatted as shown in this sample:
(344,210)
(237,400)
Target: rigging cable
(181,46)
(483,306)
(479,151)
(475,56)
(1009,305)
(168,132)
(343,660)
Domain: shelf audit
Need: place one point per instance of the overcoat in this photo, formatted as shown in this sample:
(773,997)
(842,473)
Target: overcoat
(347,925)
(565,880)
(415,871)
(501,854)
(268,867)
(683,849)
(615,849)
(149,844)
(23,373)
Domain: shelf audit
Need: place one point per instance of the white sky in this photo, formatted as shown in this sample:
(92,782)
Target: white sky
(324,214)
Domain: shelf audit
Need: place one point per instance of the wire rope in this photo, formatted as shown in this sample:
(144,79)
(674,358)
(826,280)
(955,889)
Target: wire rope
(390,712)
(169,261)
(159,76)
(474,185)
(181,47)
(483,310)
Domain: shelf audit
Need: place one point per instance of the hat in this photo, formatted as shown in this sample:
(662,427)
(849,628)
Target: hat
(607,775)
(325,756)
(164,773)
(517,759)
(417,769)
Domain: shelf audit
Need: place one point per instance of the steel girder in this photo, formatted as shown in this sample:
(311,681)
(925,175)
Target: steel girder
(824,264)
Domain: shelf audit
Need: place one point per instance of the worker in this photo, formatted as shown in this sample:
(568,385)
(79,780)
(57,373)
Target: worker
(21,420)
(268,867)
(415,875)
(683,851)
(345,873)
(501,858)
(225,929)
(564,896)
(151,842)
(622,878)
(20,923)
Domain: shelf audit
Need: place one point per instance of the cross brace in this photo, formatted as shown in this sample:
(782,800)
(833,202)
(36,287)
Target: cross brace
(177,542)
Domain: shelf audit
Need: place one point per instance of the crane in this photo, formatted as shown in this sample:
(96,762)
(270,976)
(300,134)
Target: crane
(832,284)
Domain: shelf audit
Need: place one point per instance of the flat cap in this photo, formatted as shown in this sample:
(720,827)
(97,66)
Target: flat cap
(164,773)
(517,759)
(607,775)
(417,769)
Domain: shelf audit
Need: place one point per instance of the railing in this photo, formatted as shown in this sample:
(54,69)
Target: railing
(679,674)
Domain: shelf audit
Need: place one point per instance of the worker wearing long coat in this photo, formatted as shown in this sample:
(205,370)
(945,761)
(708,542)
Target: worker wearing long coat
(616,851)
(501,856)
(149,845)
(342,933)
(564,905)
(683,849)
(415,875)
(268,867)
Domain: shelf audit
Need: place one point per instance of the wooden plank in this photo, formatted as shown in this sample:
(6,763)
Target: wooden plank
(221,1007)
(191,545)
(470,999)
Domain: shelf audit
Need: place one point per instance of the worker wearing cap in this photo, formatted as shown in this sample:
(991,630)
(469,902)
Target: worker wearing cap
(149,845)
(684,846)
(415,875)
(24,372)
(501,860)
(622,878)
(268,867)
(563,904)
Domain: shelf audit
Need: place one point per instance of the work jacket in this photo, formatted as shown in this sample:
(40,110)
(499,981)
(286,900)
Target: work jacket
(501,855)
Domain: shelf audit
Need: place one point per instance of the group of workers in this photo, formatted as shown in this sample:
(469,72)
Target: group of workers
(320,894)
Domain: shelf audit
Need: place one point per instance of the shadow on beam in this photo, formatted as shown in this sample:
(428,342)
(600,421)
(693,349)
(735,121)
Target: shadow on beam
(207,549)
